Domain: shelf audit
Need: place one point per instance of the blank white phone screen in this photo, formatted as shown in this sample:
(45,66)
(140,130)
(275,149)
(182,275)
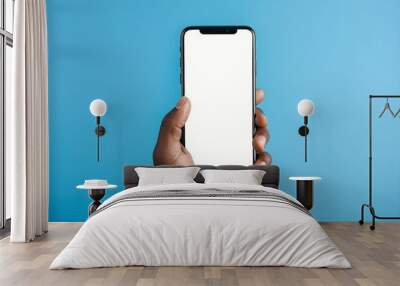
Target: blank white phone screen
(218,80)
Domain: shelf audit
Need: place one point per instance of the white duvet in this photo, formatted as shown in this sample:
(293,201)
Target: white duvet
(200,231)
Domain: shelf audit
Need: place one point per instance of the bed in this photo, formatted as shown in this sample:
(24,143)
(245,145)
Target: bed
(199,224)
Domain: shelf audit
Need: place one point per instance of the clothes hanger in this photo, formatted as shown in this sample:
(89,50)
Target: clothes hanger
(387,107)
(397,113)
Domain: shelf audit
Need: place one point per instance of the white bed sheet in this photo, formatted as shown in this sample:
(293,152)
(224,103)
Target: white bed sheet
(194,231)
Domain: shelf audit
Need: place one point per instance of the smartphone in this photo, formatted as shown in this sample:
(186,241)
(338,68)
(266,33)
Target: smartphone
(218,76)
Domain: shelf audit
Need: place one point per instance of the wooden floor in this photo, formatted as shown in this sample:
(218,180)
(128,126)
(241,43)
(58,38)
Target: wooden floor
(375,257)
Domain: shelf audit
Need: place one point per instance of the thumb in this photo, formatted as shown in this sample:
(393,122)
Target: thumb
(168,149)
(176,119)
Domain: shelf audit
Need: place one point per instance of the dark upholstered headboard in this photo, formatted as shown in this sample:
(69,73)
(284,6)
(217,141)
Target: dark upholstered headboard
(270,179)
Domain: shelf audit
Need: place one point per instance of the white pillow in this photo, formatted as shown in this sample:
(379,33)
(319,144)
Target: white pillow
(248,177)
(164,176)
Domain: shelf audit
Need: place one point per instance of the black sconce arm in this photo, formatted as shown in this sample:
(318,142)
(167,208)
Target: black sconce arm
(304,131)
(100,131)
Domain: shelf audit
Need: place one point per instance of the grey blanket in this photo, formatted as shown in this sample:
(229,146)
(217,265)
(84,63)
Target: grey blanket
(207,193)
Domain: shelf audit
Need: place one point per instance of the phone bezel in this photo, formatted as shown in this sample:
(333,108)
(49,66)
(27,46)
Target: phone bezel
(219,30)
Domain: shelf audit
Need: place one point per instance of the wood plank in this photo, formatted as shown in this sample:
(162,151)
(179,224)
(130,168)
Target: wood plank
(375,257)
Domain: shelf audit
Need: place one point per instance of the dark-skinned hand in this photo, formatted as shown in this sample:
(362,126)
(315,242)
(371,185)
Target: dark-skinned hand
(170,151)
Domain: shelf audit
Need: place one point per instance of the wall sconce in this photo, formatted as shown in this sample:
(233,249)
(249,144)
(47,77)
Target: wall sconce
(305,109)
(98,108)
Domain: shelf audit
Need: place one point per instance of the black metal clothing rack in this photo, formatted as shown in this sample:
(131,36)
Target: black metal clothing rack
(370,204)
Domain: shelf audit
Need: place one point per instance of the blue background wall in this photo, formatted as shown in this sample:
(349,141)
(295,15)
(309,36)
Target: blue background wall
(127,52)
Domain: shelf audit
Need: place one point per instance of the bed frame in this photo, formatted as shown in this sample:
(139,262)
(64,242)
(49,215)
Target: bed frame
(270,179)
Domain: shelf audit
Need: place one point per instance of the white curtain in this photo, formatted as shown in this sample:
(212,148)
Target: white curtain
(27,127)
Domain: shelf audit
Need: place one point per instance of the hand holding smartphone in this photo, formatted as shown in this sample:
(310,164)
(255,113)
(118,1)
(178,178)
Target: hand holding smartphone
(231,142)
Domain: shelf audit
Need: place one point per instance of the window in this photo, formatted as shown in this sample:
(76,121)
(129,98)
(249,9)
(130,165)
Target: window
(6,57)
